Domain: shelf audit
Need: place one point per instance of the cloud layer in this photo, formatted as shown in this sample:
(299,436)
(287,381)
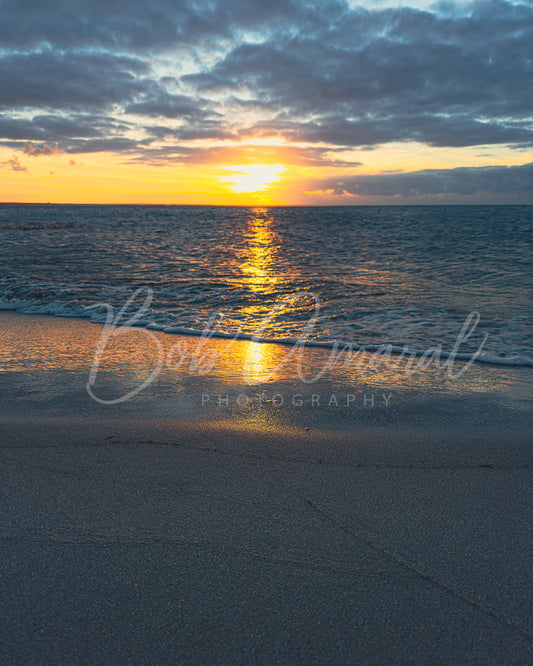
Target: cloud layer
(150,80)
(515,180)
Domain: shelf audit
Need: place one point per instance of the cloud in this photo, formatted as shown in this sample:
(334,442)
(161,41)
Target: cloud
(112,145)
(246,154)
(58,134)
(36,150)
(58,127)
(55,129)
(450,131)
(394,75)
(12,165)
(69,81)
(515,180)
(136,25)
(167,105)
(19,129)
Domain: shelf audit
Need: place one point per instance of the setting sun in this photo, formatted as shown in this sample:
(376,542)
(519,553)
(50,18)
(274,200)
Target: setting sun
(253,177)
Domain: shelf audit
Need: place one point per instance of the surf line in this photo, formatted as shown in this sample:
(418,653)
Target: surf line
(202,361)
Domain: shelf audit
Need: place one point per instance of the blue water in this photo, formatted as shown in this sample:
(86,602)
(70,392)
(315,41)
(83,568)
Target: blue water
(401,276)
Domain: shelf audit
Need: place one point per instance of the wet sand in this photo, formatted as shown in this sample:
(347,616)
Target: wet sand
(366,517)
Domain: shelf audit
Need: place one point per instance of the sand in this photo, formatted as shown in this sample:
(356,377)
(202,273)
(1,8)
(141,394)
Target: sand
(206,520)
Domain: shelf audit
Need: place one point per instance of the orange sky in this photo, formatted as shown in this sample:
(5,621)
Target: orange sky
(278,179)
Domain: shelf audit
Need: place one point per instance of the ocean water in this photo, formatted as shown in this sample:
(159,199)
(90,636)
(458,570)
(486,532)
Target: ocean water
(408,277)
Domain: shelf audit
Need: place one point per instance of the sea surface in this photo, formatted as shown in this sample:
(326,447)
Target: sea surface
(411,277)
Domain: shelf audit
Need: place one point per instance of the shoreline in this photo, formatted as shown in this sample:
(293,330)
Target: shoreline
(158,529)
(346,350)
(201,380)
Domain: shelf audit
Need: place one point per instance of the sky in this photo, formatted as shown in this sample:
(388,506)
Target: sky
(280,102)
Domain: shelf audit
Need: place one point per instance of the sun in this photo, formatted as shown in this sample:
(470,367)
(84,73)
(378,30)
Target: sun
(253,177)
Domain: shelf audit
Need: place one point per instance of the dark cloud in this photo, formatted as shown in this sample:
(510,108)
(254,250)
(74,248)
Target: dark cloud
(113,145)
(167,105)
(398,74)
(19,129)
(69,81)
(49,134)
(452,131)
(516,180)
(60,127)
(138,25)
(55,129)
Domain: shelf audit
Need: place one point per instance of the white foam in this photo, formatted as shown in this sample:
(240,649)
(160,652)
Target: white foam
(390,331)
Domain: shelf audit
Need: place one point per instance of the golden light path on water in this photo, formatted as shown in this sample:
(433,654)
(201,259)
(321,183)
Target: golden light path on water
(260,272)
(258,265)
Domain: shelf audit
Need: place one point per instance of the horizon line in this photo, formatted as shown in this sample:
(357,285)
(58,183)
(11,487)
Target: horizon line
(377,205)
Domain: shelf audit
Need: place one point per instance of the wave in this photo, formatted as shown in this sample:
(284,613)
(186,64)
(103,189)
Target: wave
(189,311)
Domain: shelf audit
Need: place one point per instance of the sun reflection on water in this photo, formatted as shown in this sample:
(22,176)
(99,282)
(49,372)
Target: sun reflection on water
(259,265)
(258,362)
(261,276)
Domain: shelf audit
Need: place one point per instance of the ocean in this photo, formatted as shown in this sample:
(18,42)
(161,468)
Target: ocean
(407,277)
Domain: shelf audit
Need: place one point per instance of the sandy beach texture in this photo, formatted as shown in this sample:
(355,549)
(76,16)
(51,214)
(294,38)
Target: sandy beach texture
(231,513)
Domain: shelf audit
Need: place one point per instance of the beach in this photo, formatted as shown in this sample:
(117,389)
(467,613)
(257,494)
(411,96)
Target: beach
(231,512)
